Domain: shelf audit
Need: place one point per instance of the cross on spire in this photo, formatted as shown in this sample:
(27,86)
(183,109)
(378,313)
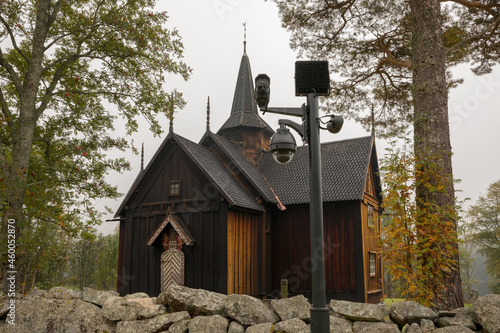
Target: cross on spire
(245,37)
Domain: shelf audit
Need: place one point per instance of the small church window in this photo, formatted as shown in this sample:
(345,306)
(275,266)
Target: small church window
(373,263)
(175,188)
(370,216)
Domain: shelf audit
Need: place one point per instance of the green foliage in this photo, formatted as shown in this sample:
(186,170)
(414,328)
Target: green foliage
(106,264)
(69,70)
(89,261)
(485,221)
(46,251)
(467,260)
(368,45)
(418,241)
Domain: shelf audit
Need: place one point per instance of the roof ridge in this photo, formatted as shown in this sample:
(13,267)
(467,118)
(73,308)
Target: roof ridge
(220,140)
(338,141)
(198,161)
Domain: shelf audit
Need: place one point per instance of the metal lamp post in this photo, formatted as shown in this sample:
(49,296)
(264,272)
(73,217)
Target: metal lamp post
(311,80)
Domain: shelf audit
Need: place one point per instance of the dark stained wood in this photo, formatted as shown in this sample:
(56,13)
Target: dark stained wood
(253,141)
(198,207)
(121,250)
(233,252)
(291,250)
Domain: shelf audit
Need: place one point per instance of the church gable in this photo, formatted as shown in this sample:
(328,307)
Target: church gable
(183,170)
(174,178)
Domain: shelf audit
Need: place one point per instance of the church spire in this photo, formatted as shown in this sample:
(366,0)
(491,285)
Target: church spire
(244,94)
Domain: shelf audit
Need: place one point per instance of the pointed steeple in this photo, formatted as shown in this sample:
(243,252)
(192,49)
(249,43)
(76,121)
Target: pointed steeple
(244,111)
(244,94)
(244,126)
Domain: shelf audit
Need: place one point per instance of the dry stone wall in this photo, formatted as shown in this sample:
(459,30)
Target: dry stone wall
(185,310)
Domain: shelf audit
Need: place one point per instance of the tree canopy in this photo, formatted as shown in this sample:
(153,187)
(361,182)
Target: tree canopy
(485,221)
(369,48)
(68,71)
(391,63)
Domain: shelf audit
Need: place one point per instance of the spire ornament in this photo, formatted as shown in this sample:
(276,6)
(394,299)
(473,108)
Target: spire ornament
(245,37)
(208,114)
(142,157)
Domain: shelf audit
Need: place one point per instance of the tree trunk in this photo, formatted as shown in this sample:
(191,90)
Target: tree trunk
(431,125)
(24,130)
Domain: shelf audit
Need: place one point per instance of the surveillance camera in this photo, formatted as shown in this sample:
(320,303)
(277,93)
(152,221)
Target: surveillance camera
(262,90)
(335,123)
(283,145)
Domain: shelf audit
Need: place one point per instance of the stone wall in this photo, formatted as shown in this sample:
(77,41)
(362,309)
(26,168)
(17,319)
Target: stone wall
(183,310)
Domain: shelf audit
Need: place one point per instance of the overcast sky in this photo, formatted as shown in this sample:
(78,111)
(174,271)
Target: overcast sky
(212,33)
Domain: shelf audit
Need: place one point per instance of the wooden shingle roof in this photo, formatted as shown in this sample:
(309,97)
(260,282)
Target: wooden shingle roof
(210,165)
(240,164)
(221,177)
(344,170)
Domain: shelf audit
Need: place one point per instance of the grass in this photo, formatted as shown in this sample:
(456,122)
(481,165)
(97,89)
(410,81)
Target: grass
(388,301)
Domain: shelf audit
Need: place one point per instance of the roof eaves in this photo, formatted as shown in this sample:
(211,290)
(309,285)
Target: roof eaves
(366,168)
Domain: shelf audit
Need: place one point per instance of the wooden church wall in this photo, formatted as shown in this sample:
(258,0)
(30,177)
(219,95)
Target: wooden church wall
(371,231)
(201,209)
(244,239)
(291,260)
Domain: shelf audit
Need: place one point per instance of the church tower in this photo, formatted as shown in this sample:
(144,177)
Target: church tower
(244,126)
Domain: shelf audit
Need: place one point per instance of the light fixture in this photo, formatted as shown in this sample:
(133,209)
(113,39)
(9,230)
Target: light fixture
(283,145)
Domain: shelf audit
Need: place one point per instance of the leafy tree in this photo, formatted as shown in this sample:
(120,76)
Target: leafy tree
(392,57)
(106,270)
(485,221)
(93,262)
(62,65)
(417,265)
(46,256)
(369,47)
(82,261)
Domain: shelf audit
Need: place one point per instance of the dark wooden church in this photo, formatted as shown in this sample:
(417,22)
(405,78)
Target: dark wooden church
(240,221)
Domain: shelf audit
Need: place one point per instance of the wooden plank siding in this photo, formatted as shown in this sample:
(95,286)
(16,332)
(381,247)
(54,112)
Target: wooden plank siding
(373,283)
(244,234)
(199,206)
(291,251)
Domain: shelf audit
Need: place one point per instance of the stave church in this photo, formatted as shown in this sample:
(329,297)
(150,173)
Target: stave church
(220,214)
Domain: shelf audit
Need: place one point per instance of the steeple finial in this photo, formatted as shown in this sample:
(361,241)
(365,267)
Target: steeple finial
(142,157)
(373,120)
(245,37)
(208,114)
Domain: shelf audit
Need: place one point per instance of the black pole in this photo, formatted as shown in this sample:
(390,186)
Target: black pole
(320,317)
